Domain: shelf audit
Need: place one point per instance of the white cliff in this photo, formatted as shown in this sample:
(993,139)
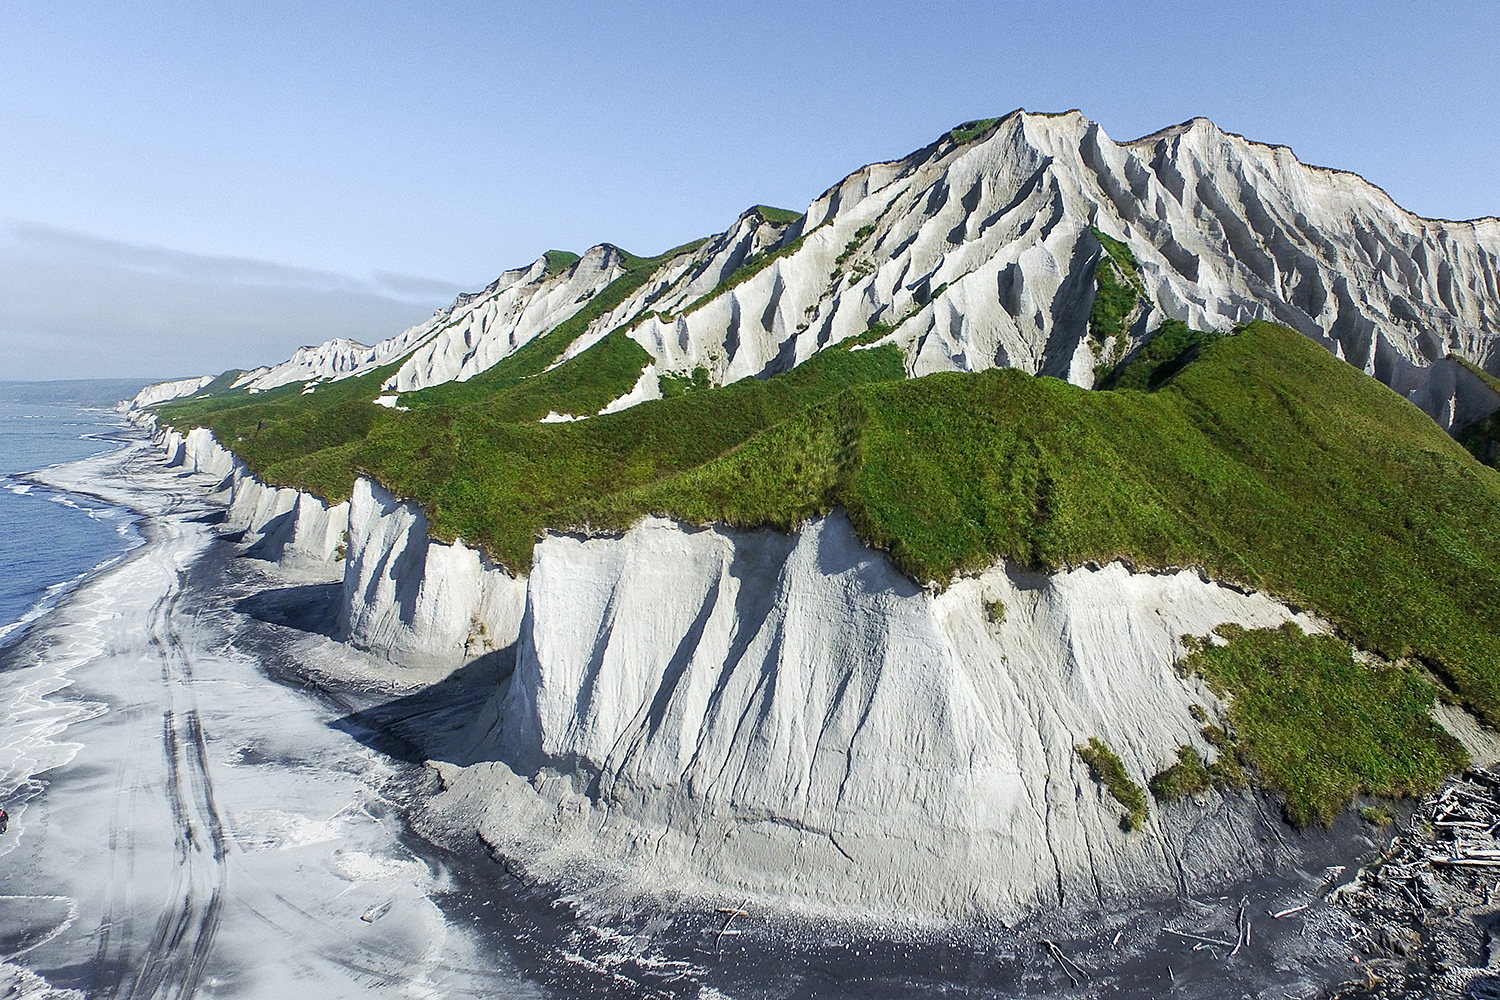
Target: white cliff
(747,712)
(282,525)
(334,360)
(161,392)
(411,598)
(517,307)
(981,253)
(405,596)
(1453,395)
(1226,230)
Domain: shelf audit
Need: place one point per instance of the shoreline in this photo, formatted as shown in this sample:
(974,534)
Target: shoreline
(574,939)
(175,801)
(49,756)
(25,482)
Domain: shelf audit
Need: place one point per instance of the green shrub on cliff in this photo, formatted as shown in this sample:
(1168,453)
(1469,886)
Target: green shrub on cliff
(1107,769)
(1320,726)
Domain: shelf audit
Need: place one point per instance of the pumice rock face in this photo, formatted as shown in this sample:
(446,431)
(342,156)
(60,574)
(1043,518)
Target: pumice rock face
(792,711)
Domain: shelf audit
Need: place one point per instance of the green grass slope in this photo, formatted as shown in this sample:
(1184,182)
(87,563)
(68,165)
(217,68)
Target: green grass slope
(478,460)
(1259,457)
(1321,726)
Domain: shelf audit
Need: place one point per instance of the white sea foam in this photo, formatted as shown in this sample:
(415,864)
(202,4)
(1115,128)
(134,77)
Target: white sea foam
(31,721)
(23,984)
(54,593)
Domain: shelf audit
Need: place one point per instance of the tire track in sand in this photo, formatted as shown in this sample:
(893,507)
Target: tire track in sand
(177,952)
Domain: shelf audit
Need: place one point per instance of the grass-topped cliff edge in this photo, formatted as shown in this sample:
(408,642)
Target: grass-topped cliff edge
(1265,461)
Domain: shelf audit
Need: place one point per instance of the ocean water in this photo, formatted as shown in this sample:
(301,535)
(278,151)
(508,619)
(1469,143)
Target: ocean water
(50,541)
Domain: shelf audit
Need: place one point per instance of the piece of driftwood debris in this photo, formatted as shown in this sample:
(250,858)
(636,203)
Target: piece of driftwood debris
(1068,967)
(1199,937)
(725,931)
(1288,911)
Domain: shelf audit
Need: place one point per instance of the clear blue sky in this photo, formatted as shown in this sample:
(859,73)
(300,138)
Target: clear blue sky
(186,187)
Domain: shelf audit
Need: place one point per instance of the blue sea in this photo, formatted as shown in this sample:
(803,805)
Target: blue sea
(51,541)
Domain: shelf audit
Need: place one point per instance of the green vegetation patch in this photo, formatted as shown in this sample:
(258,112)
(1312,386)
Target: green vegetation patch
(1172,348)
(1227,771)
(860,235)
(651,264)
(778,216)
(1107,769)
(582,385)
(1189,776)
(673,385)
(287,436)
(559,261)
(221,384)
(1118,292)
(969,131)
(1482,439)
(1321,727)
(1123,258)
(485,470)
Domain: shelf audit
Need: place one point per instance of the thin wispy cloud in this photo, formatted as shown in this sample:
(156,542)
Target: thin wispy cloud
(74,305)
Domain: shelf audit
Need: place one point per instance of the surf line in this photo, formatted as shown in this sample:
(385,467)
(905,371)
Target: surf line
(67,922)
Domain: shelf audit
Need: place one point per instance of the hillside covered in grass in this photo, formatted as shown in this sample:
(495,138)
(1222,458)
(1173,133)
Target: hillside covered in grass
(1267,462)
(1258,457)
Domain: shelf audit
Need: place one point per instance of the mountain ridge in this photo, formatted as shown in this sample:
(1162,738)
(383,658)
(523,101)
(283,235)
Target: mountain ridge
(1428,286)
(1175,129)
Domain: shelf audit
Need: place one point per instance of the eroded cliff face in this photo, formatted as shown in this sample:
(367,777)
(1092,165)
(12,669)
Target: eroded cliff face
(282,525)
(1453,395)
(787,716)
(409,597)
(981,254)
(405,596)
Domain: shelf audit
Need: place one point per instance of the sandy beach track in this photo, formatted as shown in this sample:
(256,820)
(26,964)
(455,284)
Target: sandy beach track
(178,948)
